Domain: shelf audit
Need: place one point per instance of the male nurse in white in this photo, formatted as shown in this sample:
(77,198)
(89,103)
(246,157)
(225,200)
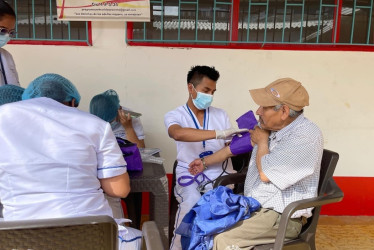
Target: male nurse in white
(198,130)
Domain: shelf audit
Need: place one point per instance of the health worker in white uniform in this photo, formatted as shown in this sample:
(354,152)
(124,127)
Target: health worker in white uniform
(56,160)
(198,130)
(8,69)
(107,107)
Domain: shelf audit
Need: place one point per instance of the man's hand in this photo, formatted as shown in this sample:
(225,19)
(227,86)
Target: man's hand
(259,135)
(229,133)
(196,167)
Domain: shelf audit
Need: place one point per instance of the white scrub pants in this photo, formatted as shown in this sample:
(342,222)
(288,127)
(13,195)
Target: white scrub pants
(129,238)
(187,198)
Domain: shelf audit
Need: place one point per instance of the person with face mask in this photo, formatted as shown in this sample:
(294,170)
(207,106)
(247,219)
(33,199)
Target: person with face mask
(198,130)
(8,69)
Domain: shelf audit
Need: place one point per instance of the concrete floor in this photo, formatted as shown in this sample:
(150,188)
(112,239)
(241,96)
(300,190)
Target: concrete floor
(345,232)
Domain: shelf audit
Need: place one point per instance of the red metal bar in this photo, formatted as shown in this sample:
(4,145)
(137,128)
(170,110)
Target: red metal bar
(337,22)
(235,20)
(130,26)
(89,24)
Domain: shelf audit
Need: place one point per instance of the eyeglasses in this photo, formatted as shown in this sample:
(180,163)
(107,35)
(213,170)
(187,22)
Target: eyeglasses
(4,31)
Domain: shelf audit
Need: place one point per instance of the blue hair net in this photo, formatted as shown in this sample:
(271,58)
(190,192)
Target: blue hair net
(53,86)
(10,93)
(112,94)
(105,105)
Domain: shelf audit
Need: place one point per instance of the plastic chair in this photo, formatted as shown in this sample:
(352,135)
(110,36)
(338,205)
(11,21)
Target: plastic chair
(151,236)
(89,232)
(240,162)
(328,192)
(173,206)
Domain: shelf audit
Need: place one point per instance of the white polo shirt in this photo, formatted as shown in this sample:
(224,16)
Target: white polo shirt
(292,166)
(215,119)
(52,157)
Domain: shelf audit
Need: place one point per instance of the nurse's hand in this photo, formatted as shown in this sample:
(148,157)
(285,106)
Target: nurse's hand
(229,133)
(124,119)
(196,167)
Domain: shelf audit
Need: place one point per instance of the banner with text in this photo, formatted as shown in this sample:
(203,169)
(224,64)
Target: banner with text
(103,10)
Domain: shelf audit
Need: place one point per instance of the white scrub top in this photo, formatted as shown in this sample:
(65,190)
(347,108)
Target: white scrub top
(52,157)
(9,67)
(216,119)
(119,131)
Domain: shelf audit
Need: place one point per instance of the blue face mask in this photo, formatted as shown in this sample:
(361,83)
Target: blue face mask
(202,100)
(4,39)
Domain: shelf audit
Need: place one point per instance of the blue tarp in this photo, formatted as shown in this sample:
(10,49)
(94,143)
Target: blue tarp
(216,211)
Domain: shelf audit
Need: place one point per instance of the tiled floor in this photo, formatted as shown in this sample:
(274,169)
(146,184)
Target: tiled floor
(345,232)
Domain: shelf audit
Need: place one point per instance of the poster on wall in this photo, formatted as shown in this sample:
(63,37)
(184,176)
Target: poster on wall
(104,10)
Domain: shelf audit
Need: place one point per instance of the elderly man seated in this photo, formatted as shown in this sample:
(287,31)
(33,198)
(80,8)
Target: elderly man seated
(56,160)
(284,167)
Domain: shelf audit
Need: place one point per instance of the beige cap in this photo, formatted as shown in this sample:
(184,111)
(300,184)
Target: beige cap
(282,91)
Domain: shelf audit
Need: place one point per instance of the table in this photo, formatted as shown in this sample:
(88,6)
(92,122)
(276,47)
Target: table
(153,180)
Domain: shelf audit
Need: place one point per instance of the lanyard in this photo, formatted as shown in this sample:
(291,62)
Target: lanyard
(3,70)
(196,125)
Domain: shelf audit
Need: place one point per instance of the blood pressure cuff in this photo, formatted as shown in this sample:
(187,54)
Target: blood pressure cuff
(131,154)
(241,144)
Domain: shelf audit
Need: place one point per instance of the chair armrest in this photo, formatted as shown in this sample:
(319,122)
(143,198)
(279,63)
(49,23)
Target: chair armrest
(57,222)
(151,236)
(230,179)
(334,194)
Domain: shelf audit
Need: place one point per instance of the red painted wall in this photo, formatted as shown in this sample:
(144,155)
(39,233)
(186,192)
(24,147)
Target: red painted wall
(358,197)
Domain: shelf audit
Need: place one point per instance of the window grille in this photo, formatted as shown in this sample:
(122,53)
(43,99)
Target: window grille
(261,23)
(36,23)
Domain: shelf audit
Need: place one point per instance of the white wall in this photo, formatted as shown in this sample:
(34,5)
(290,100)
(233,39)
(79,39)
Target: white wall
(152,81)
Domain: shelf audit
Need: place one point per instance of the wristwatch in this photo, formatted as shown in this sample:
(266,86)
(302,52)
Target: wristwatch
(204,164)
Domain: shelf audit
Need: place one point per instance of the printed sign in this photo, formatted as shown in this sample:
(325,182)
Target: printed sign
(103,10)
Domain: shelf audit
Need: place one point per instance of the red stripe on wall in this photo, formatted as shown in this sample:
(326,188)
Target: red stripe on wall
(358,197)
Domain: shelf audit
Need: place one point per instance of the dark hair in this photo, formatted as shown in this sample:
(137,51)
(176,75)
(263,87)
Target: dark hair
(196,74)
(6,9)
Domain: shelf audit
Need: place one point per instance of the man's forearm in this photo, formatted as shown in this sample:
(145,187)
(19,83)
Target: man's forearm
(262,149)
